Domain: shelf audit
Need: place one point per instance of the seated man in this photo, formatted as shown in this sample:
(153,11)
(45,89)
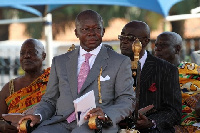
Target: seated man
(159,84)
(25,91)
(89,67)
(168,46)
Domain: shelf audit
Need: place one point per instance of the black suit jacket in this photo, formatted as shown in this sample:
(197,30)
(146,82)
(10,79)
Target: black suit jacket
(167,96)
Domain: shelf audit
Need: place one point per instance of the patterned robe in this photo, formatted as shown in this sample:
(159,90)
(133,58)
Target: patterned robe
(27,97)
(189,78)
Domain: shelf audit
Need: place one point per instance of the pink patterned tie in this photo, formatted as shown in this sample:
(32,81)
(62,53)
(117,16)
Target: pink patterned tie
(85,68)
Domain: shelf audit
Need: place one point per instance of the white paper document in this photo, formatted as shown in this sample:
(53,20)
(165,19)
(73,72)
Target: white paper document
(196,125)
(83,105)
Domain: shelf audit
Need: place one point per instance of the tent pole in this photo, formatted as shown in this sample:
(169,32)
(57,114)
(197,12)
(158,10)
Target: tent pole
(164,25)
(48,37)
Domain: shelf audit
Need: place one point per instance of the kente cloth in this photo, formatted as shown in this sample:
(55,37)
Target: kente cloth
(28,96)
(186,129)
(189,78)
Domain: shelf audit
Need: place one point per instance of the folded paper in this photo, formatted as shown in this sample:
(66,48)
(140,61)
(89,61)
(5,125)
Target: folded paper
(83,105)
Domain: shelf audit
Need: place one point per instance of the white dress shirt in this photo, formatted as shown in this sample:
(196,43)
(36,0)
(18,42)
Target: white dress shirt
(143,59)
(81,57)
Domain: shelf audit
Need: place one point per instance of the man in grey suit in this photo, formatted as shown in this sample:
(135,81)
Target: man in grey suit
(118,99)
(159,82)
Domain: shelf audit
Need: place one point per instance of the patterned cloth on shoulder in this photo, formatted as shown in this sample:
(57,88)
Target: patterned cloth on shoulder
(27,97)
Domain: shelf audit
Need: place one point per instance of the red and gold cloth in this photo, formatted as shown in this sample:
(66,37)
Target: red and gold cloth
(189,78)
(27,97)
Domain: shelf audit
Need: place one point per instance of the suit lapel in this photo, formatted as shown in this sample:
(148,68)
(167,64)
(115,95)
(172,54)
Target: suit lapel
(100,62)
(72,71)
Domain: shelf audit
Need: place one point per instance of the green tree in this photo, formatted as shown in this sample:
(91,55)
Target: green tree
(65,16)
(4,32)
(14,13)
(35,30)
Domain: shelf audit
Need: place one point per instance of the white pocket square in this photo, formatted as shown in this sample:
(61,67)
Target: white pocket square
(104,79)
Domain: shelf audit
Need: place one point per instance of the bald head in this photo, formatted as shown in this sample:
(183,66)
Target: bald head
(32,55)
(168,47)
(132,31)
(173,37)
(88,14)
(139,25)
(36,42)
(89,29)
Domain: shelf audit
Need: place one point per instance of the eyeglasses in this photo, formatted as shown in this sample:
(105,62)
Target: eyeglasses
(122,37)
(130,38)
(87,30)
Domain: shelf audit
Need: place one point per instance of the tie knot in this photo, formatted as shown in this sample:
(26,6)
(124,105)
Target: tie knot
(87,56)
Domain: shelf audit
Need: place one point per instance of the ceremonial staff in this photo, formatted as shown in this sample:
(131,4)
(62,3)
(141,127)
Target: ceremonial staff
(129,122)
(136,69)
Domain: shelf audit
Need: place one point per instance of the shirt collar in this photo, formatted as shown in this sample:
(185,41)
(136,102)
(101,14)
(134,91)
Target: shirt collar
(93,52)
(143,59)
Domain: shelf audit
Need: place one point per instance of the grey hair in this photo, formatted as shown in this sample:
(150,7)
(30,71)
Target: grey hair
(36,42)
(176,38)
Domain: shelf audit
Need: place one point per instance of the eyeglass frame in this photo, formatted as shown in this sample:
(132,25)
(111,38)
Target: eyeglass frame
(130,38)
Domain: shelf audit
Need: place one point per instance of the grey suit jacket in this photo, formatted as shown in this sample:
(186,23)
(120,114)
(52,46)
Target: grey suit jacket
(117,93)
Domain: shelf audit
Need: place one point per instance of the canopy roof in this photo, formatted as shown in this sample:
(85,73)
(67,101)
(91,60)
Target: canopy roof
(159,6)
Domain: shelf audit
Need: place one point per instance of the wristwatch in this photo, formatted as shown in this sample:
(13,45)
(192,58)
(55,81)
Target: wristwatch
(106,116)
(154,124)
(107,122)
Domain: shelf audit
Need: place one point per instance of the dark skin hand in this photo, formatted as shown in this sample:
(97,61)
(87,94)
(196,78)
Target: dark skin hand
(143,122)
(7,128)
(95,112)
(4,126)
(35,119)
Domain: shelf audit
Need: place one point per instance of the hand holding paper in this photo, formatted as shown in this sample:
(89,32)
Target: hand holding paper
(83,105)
